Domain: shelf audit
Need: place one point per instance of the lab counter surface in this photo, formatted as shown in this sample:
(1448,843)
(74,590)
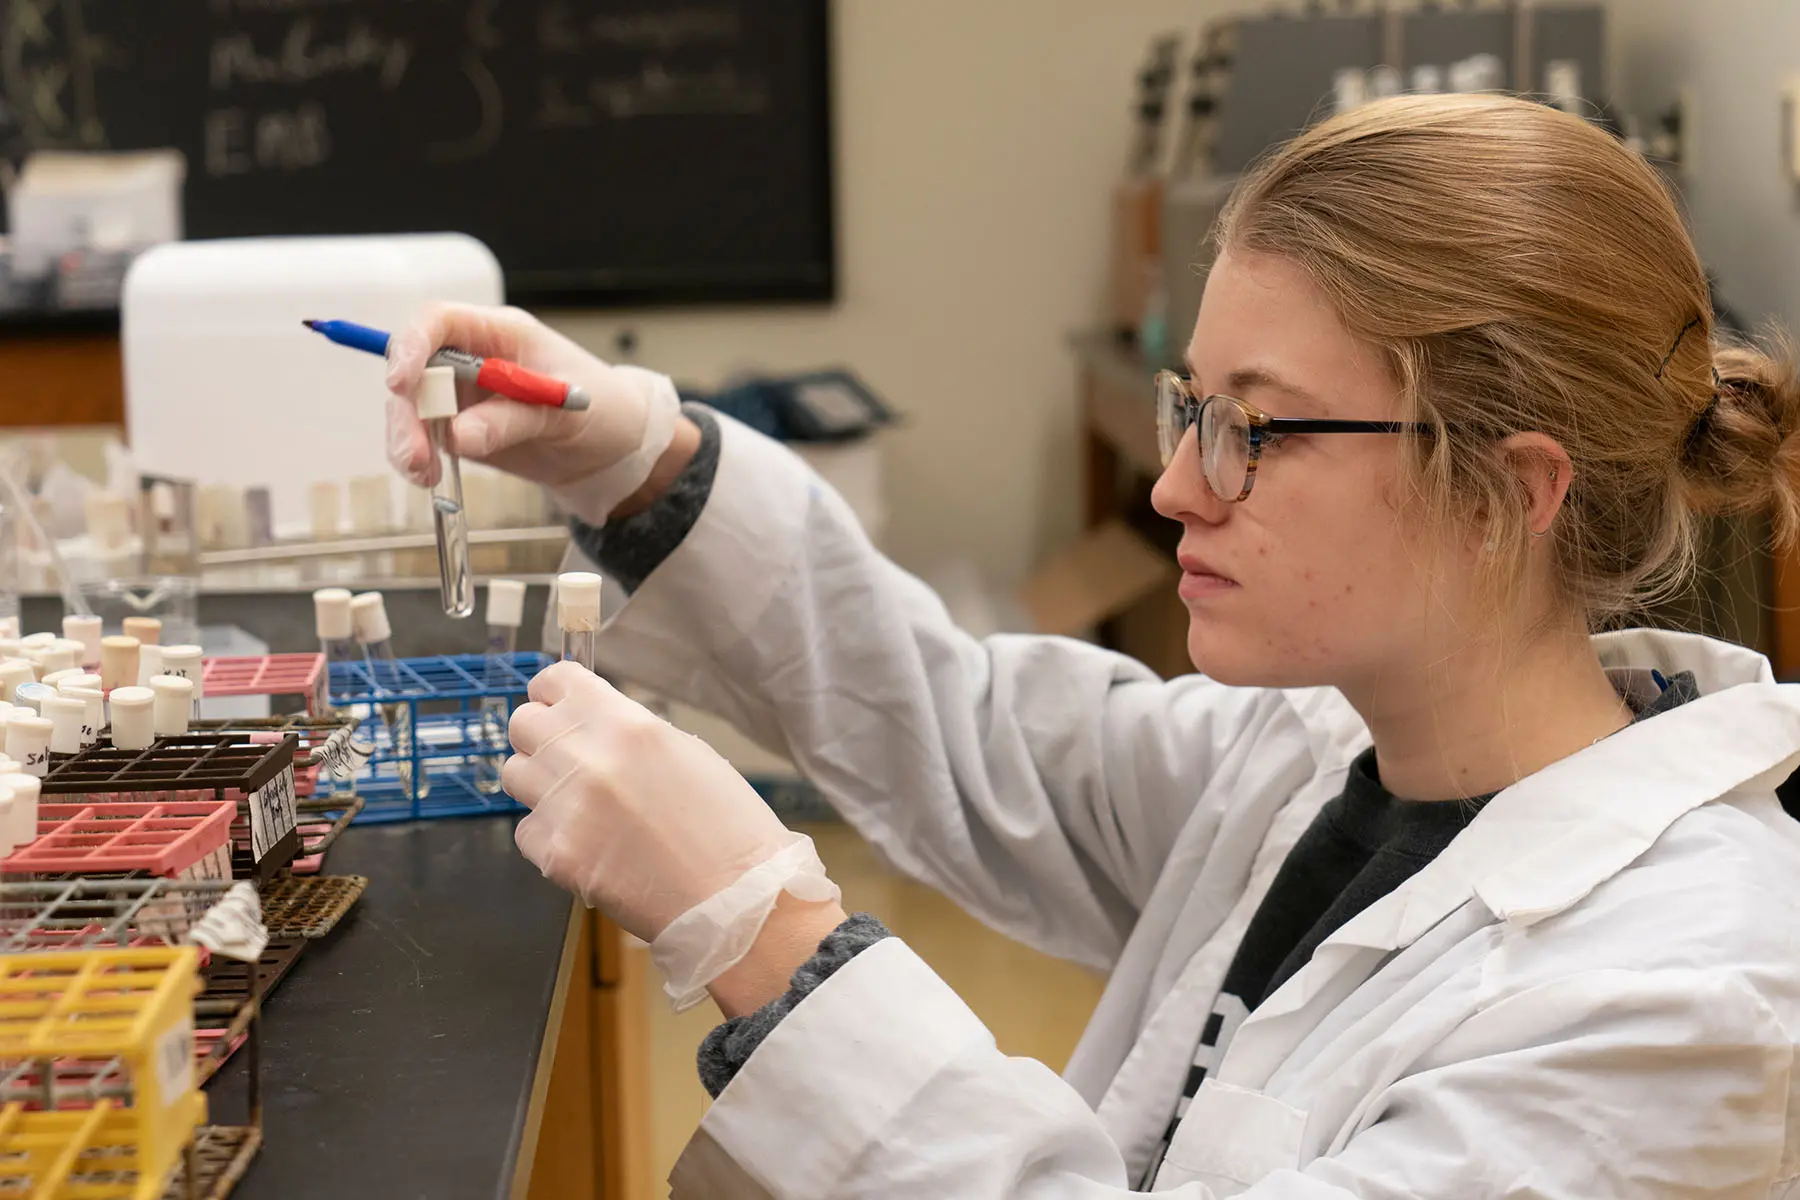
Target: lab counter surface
(411,1052)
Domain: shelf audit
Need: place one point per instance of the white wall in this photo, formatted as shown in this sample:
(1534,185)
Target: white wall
(1734,56)
(977,145)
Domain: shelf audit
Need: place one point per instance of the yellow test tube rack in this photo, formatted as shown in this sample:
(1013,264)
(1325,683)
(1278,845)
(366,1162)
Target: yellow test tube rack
(96,1071)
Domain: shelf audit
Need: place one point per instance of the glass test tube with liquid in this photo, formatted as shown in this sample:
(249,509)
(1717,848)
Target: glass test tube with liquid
(368,615)
(437,407)
(578,615)
(505,613)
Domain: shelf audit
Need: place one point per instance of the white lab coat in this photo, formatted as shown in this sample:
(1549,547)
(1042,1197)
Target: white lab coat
(1593,992)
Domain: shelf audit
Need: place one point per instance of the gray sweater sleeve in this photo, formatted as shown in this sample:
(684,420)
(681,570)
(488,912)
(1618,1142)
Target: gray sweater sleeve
(630,548)
(728,1047)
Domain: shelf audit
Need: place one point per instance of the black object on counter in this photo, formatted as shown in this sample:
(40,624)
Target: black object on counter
(398,1058)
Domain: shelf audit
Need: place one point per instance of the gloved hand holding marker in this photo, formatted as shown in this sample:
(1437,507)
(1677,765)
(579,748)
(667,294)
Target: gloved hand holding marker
(495,374)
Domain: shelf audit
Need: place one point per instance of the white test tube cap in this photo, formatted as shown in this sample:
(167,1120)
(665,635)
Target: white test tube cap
(87,631)
(506,603)
(578,601)
(55,678)
(11,647)
(150,657)
(118,662)
(95,701)
(174,700)
(65,714)
(437,394)
(331,614)
(187,662)
(25,791)
(36,640)
(8,822)
(28,742)
(59,655)
(133,718)
(78,682)
(368,613)
(147,630)
(13,672)
(30,697)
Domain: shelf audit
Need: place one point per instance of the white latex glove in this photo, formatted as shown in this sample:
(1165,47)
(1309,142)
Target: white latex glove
(651,826)
(590,460)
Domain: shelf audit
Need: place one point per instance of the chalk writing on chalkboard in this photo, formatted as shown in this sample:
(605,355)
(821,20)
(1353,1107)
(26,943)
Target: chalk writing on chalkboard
(372,116)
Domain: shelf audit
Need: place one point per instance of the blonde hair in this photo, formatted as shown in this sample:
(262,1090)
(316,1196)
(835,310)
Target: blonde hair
(1522,270)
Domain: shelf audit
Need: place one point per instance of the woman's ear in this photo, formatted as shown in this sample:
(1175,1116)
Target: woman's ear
(1544,473)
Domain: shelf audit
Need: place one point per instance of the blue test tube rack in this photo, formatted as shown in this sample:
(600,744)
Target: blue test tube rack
(445,696)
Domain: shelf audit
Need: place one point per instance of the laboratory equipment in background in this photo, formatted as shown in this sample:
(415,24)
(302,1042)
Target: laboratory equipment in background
(1257,80)
(505,613)
(213,340)
(437,407)
(578,615)
(1137,198)
(75,222)
(140,557)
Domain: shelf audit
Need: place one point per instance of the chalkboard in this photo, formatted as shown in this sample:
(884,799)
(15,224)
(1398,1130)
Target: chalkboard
(608,151)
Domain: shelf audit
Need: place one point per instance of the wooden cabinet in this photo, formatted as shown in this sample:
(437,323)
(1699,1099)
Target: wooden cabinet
(587,1133)
(61,379)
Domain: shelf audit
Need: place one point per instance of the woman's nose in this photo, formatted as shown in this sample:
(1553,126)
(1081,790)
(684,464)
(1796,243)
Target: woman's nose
(1181,492)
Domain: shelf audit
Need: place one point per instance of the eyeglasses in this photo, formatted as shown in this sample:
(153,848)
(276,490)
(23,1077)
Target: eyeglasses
(1233,433)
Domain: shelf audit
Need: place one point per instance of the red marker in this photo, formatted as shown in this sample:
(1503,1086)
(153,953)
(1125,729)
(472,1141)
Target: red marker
(495,374)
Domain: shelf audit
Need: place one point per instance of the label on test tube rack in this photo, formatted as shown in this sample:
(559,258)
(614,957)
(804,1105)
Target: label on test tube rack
(272,814)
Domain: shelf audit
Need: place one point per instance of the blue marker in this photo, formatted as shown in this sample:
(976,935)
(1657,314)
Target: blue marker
(495,374)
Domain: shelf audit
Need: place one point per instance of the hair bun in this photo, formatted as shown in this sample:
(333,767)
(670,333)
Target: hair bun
(1742,454)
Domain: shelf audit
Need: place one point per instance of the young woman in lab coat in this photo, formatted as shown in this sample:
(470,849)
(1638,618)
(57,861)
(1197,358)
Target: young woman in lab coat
(1415,890)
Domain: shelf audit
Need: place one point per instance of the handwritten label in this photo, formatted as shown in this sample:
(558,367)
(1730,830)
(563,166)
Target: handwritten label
(272,814)
(175,1062)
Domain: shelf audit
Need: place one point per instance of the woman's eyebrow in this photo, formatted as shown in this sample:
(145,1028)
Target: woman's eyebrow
(1246,379)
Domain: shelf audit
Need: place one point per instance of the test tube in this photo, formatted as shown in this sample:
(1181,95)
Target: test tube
(24,789)
(59,655)
(505,613)
(174,698)
(437,405)
(368,614)
(28,742)
(118,662)
(30,698)
(188,663)
(149,663)
(337,639)
(578,615)
(65,714)
(8,822)
(147,630)
(13,672)
(133,718)
(94,719)
(87,631)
